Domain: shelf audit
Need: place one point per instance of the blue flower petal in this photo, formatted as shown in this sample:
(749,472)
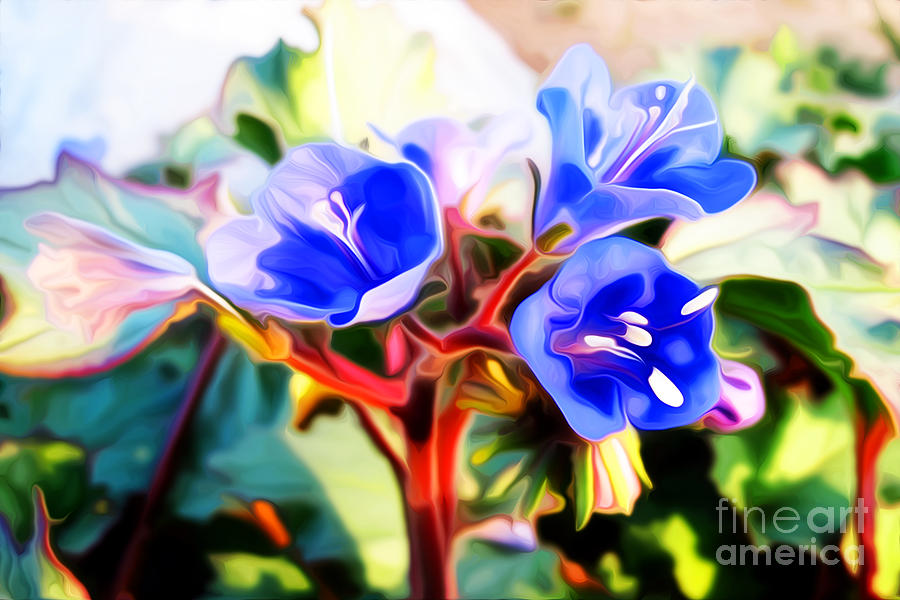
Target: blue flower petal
(578,86)
(714,187)
(645,151)
(591,417)
(335,235)
(616,332)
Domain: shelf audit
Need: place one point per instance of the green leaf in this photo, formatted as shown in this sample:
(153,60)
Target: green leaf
(832,243)
(511,463)
(887,520)
(694,572)
(784,309)
(583,482)
(490,256)
(802,458)
(880,164)
(765,101)
(155,217)
(33,570)
(486,571)
(255,135)
(312,96)
(245,575)
(853,75)
(56,467)
(361,345)
(802,455)
(784,47)
(118,420)
(610,570)
(647,232)
(246,448)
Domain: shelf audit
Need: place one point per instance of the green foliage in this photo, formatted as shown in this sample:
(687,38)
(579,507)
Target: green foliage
(32,570)
(246,449)
(800,456)
(783,309)
(56,467)
(852,75)
(647,232)
(490,256)
(254,135)
(243,448)
(881,164)
(487,571)
(360,344)
(822,103)
(240,574)
(92,444)
(109,446)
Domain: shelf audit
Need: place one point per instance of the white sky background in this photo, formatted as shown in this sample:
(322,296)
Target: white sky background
(132,71)
(124,71)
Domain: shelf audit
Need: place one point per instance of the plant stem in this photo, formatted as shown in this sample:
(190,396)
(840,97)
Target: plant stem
(348,378)
(165,468)
(430,571)
(486,317)
(429,576)
(451,426)
(456,228)
(461,341)
(401,472)
(870,441)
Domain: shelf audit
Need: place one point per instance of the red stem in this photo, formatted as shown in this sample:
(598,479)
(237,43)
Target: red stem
(347,378)
(451,426)
(429,576)
(460,341)
(456,228)
(433,445)
(401,471)
(429,568)
(429,474)
(165,469)
(486,318)
(871,439)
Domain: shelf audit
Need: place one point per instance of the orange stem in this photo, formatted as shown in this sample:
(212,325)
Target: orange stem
(486,318)
(460,341)
(347,378)
(871,439)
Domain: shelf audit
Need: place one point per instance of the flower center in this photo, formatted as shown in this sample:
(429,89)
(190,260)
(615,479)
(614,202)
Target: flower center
(636,335)
(337,219)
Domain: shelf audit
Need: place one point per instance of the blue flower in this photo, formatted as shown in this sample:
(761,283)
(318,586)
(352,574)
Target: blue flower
(616,335)
(645,151)
(335,235)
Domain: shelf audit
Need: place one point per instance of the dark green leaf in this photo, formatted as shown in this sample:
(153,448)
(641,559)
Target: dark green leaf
(256,136)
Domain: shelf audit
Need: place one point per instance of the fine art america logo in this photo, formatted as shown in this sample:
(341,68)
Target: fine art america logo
(821,520)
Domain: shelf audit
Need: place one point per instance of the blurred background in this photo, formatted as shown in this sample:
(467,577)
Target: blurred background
(134,71)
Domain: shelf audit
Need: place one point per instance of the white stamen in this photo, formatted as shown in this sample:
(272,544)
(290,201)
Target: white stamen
(701,301)
(336,218)
(629,316)
(637,336)
(667,127)
(599,341)
(660,92)
(337,199)
(667,392)
(608,344)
